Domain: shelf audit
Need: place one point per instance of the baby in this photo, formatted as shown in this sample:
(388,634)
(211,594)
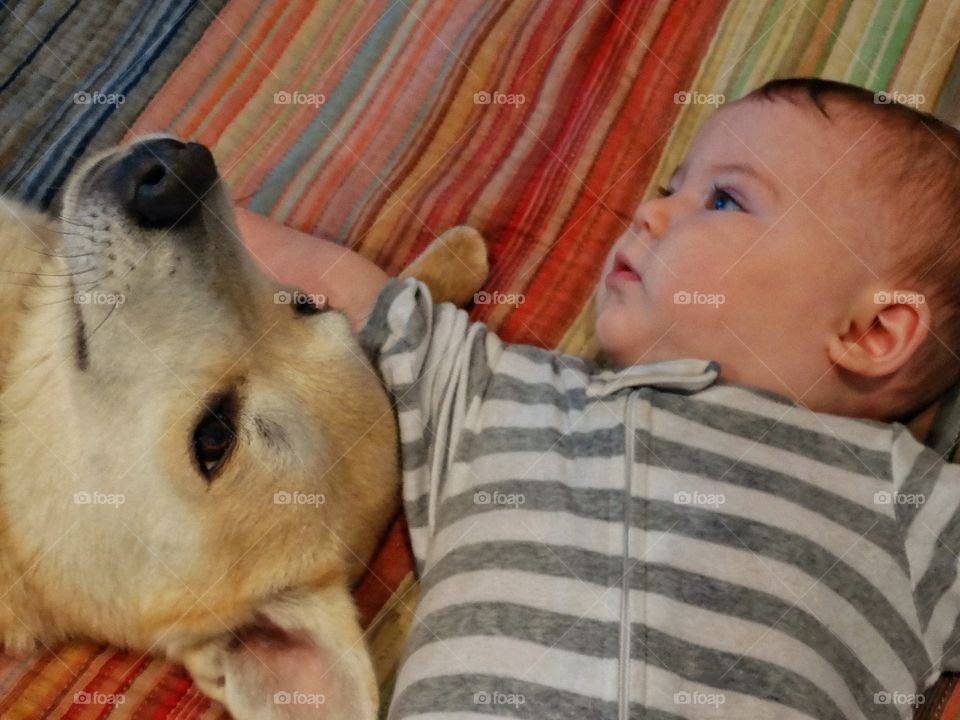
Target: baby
(734,523)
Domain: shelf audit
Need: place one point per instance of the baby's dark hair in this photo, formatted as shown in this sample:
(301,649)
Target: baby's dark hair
(916,163)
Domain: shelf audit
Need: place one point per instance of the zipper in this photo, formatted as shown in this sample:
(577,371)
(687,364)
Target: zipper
(624,684)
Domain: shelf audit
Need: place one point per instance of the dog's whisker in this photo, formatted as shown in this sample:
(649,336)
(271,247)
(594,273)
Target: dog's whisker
(69,274)
(53,302)
(40,252)
(100,324)
(75,222)
(68,218)
(73,234)
(92,282)
(55,286)
(73,326)
(43,274)
(86,236)
(5,283)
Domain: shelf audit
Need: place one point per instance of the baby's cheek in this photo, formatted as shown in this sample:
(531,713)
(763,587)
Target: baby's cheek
(671,297)
(694,317)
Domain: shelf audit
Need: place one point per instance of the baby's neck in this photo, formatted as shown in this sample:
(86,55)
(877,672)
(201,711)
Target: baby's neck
(920,425)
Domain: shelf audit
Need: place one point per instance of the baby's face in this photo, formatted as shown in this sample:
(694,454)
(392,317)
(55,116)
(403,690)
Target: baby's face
(758,273)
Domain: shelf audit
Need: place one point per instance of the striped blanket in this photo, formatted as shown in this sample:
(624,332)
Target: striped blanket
(380,124)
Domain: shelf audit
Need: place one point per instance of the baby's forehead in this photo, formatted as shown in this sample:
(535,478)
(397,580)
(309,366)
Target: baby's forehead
(821,170)
(792,144)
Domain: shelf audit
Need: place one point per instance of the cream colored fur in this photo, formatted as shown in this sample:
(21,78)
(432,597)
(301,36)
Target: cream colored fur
(107,530)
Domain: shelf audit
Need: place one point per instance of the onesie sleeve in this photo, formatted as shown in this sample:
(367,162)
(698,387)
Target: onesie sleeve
(434,363)
(928,513)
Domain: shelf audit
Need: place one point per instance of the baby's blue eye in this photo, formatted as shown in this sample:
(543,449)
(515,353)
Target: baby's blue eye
(722,200)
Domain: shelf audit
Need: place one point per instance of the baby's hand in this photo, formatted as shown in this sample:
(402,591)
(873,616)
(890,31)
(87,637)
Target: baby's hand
(349,281)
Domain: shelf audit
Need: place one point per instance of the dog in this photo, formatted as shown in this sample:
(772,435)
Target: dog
(195,461)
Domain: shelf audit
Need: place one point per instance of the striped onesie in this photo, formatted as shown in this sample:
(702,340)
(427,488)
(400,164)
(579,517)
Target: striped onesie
(647,543)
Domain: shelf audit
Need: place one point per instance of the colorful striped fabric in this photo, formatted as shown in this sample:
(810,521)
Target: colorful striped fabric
(380,124)
(74,75)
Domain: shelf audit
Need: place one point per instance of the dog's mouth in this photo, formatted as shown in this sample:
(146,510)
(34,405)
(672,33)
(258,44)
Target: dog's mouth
(90,173)
(263,632)
(80,349)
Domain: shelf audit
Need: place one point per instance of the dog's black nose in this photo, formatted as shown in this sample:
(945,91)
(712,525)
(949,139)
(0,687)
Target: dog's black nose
(161,183)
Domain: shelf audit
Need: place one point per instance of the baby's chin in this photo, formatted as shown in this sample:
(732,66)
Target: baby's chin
(620,336)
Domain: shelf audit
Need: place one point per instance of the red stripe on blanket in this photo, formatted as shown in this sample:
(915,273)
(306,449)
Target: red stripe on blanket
(620,174)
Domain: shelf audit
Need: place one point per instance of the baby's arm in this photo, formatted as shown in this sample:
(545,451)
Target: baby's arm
(348,280)
(926,506)
(430,356)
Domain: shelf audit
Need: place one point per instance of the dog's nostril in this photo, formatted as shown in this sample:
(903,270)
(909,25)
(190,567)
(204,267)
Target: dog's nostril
(154,175)
(162,199)
(162,183)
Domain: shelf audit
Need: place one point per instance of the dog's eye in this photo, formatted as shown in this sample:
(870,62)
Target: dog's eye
(213,439)
(308,304)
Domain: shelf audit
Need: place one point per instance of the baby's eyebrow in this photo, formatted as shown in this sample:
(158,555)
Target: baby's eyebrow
(744,169)
(751,171)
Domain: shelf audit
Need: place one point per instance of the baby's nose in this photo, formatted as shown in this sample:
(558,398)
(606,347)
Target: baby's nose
(650,219)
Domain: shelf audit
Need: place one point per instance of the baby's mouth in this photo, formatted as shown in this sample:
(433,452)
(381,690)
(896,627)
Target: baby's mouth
(621,272)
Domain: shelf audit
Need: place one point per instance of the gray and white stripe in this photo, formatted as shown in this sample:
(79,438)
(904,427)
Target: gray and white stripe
(770,569)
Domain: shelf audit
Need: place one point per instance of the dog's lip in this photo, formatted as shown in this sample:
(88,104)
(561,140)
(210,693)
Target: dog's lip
(98,164)
(263,631)
(261,628)
(91,172)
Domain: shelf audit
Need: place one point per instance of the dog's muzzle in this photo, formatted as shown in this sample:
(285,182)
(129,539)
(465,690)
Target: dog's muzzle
(159,183)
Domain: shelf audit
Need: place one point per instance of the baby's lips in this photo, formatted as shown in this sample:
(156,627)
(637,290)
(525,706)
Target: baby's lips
(622,270)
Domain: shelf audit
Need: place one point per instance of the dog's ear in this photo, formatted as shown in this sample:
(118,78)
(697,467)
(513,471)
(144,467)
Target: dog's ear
(302,657)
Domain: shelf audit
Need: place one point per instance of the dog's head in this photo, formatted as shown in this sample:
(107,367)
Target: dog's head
(196,460)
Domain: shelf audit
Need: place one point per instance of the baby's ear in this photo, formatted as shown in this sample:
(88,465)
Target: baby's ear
(887,329)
